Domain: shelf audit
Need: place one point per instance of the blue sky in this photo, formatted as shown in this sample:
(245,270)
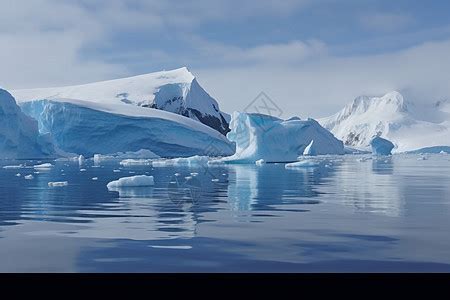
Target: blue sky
(310,56)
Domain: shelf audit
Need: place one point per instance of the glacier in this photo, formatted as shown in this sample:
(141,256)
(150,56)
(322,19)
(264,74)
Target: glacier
(19,134)
(381,146)
(262,137)
(89,128)
(409,125)
(176,91)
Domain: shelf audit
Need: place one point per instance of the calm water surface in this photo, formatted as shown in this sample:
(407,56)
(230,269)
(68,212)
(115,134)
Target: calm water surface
(388,214)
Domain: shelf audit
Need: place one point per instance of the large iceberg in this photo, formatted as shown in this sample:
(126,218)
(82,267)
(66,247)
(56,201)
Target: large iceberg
(19,135)
(176,91)
(89,128)
(272,139)
(381,146)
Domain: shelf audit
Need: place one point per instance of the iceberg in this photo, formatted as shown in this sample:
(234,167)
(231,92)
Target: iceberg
(134,181)
(89,128)
(19,134)
(381,146)
(262,137)
(176,91)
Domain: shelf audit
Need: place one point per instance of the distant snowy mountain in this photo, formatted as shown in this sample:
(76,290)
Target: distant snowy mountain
(408,125)
(19,135)
(176,91)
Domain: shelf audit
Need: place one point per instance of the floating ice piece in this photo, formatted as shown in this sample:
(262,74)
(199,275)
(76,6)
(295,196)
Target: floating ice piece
(29,177)
(194,174)
(443,152)
(45,166)
(95,178)
(135,162)
(260,162)
(135,181)
(18,175)
(81,160)
(58,184)
(116,171)
(83,170)
(306,163)
(381,146)
(215,180)
(13,167)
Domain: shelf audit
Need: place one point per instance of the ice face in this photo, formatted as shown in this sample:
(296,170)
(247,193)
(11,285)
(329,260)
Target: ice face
(89,131)
(274,140)
(381,146)
(19,135)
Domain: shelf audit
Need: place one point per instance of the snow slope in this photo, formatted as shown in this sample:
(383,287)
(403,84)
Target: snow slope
(19,135)
(176,91)
(272,139)
(408,125)
(89,128)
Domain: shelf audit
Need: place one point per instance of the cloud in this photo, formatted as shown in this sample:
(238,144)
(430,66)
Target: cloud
(386,22)
(323,87)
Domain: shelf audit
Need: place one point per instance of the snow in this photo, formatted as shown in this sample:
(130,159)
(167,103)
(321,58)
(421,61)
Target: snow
(176,91)
(19,135)
(58,184)
(89,128)
(432,150)
(381,146)
(272,139)
(135,181)
(409,125)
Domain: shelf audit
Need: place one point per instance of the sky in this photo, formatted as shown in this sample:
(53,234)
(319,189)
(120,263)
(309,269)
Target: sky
(311,57)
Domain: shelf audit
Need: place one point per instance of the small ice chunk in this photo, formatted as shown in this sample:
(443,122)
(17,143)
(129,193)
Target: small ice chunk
(29,177)
(307,163)
(116,171)
(58,184)
(260,162)
(83,170)
(13,167)
(188,177)
(18,175)
(194,174)
(81,160)
(215,180)
(136,162)
(43,166)
(95,178)
(135,181)
(159,164)
(443,152)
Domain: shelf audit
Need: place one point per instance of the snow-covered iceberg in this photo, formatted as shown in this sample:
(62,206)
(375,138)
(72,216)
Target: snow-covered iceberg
(90,128)
(272,139)
(381,146)
(176,91)
(19,134)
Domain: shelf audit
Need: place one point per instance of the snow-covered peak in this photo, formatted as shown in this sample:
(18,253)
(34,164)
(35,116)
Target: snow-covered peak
(407,124)
(175,91)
